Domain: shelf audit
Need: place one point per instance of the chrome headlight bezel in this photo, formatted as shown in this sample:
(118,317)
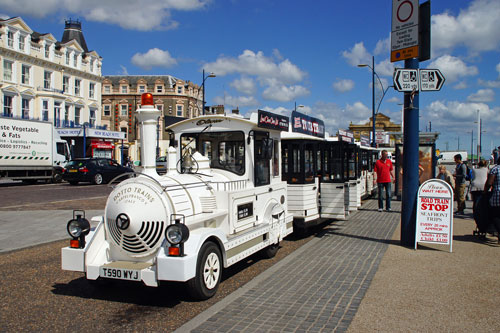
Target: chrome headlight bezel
(78,227)
(177,233)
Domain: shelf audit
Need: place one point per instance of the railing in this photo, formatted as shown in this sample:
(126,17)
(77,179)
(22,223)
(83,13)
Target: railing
(58,123)
(59,91)
(230,186)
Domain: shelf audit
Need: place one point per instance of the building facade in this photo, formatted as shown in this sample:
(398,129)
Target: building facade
(121,97)
(48,80)
(386,130)
(44,79)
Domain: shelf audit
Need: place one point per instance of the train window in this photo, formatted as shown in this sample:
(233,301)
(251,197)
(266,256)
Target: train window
(276,159)
(225,150)
(337,160)
(309,162)
(262,172)
(296,159)
(284,161)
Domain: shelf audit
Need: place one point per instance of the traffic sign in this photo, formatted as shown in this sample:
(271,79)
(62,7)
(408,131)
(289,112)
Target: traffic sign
(431,80)
(404,32)
(406,79)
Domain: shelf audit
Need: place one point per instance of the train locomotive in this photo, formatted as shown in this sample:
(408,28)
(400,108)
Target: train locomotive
(221,200)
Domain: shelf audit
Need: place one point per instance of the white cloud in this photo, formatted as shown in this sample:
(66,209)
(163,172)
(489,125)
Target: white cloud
(344,85)
(257,64)
(475,27)
(357,55)
(153,58)
(482,96)
(124,70)
(4,16)
(283,93)
(358,112)
(489,84)
(460,85)
(456,113)
(383,46)
(394,100)
(129,14)
(498,69)
(453,68)
(236,101)
(244,85)
(277,77)
(385,68)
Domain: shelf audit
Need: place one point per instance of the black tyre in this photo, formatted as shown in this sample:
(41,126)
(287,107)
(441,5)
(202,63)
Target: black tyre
(98,180)
(270,251)
(73,182)
(208,272)
(57,177)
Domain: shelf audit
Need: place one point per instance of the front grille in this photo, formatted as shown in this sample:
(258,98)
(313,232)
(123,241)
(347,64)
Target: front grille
(146,240)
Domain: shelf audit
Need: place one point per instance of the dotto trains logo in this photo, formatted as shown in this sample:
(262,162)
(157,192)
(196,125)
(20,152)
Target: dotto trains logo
(208,122)
(134,194)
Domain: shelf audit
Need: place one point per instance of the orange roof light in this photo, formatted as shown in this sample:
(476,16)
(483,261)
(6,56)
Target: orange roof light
(147,99)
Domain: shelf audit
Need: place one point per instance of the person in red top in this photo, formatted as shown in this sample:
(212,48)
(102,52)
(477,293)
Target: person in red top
(384,175)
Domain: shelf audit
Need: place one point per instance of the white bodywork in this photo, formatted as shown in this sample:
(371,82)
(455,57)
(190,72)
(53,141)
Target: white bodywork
(303,199)
(215,204)
(29,149)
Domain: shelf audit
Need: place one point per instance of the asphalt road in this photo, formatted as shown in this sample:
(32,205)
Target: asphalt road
(36,295)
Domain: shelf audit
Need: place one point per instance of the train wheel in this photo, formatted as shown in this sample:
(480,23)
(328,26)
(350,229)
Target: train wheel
(270,251)
(208,272)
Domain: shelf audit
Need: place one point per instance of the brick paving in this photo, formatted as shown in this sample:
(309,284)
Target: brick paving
(318,288)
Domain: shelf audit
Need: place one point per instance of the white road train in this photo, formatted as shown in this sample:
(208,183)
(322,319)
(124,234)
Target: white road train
(221,200)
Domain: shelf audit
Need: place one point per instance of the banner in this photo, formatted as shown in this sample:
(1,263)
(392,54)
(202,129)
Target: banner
(304,124)
(272,121)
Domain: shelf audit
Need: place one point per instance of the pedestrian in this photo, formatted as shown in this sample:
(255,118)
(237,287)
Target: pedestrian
(384,176)
(446,175)
(479,177)
(459,175)
(493,182)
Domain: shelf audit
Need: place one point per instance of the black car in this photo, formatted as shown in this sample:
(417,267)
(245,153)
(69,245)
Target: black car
(94,170)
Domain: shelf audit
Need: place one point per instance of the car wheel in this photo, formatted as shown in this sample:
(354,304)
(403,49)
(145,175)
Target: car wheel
(57,177)
(98,179)
(208,272)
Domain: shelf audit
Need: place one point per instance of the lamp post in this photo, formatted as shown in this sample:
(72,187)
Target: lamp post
(203,87)
(374,112)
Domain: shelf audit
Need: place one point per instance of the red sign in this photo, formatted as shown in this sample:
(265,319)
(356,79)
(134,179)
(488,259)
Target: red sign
(102,145)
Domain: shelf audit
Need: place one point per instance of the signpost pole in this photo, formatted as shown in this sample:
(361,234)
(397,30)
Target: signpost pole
(410,162)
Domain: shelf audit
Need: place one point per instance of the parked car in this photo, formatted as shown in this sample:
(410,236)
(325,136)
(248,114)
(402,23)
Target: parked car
(94,170)
(161,165)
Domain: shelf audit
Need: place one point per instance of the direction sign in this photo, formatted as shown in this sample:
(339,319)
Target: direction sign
(404,32)
(431,80)
(406,79)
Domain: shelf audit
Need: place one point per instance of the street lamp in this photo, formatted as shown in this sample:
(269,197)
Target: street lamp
(374,112)
(203,87)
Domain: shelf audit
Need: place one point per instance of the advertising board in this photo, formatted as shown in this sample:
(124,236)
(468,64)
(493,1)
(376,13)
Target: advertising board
(25,142)
(435,213)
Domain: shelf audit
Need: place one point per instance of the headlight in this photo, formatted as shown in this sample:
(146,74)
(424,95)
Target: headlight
(77,227)
(177,233)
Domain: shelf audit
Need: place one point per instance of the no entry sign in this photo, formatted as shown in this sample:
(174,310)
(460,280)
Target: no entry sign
(404,32)
(435,213)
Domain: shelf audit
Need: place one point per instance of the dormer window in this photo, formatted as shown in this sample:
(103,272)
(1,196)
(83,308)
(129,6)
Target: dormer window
(47,51)
(124,89)
(21,43)
(142,89)
(67,57)
(75,60)
(179,89)
(10,39)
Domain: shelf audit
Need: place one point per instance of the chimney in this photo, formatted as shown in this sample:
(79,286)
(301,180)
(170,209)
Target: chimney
(147,116)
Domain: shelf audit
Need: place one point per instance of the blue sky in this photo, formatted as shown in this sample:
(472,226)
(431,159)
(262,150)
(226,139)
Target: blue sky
(270,54)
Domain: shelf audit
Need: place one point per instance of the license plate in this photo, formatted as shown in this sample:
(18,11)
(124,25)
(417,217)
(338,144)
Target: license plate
(73,170)
(120,273)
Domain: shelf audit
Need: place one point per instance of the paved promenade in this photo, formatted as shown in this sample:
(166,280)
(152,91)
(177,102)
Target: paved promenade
(356,277)
(317,288)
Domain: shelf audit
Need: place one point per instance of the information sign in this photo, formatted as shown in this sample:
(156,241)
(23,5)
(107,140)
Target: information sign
(435,213)
(431,79)
(404,33)
(406,79)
